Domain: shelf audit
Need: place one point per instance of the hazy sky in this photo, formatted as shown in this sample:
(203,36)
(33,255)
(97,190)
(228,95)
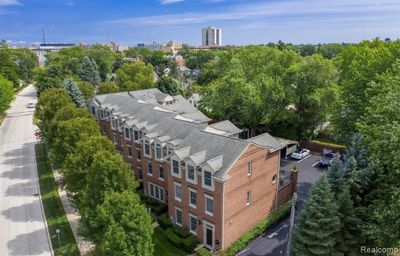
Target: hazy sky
(242,21)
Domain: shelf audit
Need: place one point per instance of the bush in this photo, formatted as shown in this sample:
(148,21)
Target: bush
(182,232)
(187,244)
(157,207)
(202,251)
(245,239)
(164,221)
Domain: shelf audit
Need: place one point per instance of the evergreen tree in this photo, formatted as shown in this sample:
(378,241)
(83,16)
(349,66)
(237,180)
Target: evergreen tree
(88,71)
(318,223)
(72,88)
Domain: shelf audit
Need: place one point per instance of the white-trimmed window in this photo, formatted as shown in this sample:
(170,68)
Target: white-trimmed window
(140,173)
(161,173)
(114,137)
(130,153)
(93,110)
(119,123)
(192,197)
(209,204)
(147,150)
(158,151)
(149,169)
(178,191)
(127,133)
(101,114)
(193,223)
(113,123)
(178,216)
(138,154)
(136,135)
(175,168)
(249,168)
(248,198)
(208,182)
(156,192)
(191,174)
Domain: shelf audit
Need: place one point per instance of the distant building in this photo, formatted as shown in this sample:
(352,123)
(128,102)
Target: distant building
(117,48)
(211,36)
(42,50)
(171,47)
(153,46)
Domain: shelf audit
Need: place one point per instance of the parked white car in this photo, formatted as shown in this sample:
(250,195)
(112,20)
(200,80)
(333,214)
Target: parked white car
(31,105)
(301,154)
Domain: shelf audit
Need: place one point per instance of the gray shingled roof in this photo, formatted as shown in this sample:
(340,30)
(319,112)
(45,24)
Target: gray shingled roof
(215,146)
(227,126)
(268,141)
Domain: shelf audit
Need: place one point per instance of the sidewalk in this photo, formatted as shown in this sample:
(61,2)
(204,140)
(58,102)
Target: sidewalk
(73,216)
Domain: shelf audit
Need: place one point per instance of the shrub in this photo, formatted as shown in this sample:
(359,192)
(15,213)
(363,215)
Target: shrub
(187,244)
(182,232)
(245,239)
(202,251)
(164,221)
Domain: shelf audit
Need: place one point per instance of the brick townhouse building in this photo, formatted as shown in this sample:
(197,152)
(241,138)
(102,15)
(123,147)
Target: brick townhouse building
(216,185)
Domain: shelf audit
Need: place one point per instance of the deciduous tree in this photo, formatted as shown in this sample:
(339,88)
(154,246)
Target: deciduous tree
(6,94)
(135,76)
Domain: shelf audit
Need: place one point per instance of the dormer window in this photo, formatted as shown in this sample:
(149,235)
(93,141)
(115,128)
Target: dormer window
(175,168)
(101,114)
(127,135)
(120,123)
(147,151)
(207,180)
(191,174)
(158,151)
(136,135)
(93,110)
(113,123)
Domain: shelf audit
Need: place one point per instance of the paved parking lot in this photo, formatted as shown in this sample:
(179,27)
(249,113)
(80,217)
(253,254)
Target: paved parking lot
(274,240)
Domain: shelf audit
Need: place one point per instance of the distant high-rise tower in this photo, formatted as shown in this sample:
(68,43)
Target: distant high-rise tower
(212,36)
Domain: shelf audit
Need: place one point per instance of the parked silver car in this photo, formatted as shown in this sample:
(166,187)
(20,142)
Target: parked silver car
(300,154)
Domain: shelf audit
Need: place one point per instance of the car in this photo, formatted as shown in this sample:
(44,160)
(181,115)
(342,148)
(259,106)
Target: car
(328,159)
(31,105)
(300,154)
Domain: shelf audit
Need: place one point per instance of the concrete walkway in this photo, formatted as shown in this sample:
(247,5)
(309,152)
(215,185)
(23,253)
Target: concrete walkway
(23,229)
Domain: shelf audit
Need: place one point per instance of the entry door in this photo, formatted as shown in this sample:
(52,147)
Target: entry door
(209,235)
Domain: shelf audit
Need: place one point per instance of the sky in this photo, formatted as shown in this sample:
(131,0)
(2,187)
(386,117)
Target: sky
(243,22)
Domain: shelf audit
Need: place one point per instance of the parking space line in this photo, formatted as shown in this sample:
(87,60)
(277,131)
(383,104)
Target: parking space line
(315,164)
(304,158)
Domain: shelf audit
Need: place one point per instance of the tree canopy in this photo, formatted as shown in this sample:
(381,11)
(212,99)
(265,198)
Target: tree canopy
(136,76)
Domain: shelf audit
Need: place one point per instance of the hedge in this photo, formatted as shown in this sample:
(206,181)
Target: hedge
(164,221)
(188,244)
(184,233)
(202,251)
(260,228)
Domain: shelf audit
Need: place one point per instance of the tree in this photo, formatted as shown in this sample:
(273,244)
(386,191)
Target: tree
(107,173)
(107,87)
(103,57)
(318,223)
(135,76)
(72,88)
(6,94)
(125,225)
(78,163)
(45,80)
(86,89)
(8,68)
(68,134)
(314,92)
(50,101)
(26,62)
(88,71)
(65,62)
(168,85)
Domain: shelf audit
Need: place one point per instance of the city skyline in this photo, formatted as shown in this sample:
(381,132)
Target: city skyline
(129,23)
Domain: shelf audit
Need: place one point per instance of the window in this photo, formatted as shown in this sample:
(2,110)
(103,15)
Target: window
(114,139)
(136,135)
(191,174)
(209,204)
(146,148)
(149,168)
(101,114)
(207,180)
(178,216)
(138,154)
(175,168)
(127,133)
(119,123)
(156,192)
(178,191)
(192,198)
(248,198)
(93,110)
(192,223)
(249,168)
(130,151)
(104,129)
(161,172)
(158,151)
(140,134)
(140,173)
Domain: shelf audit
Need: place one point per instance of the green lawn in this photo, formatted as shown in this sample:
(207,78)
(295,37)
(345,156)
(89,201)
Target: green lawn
(162,246)
(55,215)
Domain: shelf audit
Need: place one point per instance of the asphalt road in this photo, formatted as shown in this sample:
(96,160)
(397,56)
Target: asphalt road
(23,230)
(274,241)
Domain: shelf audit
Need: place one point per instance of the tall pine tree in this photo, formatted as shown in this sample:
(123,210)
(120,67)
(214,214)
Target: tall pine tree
(318,223)
(89,71)
(72,88)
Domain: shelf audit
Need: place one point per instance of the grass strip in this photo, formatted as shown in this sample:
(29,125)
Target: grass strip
(54,211)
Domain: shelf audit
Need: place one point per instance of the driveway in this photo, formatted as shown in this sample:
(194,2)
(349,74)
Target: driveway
(23,230)
(274,241)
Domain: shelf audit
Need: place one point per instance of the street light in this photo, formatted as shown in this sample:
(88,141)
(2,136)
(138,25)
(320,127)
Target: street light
(58,235)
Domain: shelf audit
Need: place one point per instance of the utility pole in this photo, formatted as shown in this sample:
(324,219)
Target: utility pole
(44,35)
(294,199)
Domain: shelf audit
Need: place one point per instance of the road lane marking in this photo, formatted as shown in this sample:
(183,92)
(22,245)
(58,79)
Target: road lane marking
(315,164)
(304,158)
